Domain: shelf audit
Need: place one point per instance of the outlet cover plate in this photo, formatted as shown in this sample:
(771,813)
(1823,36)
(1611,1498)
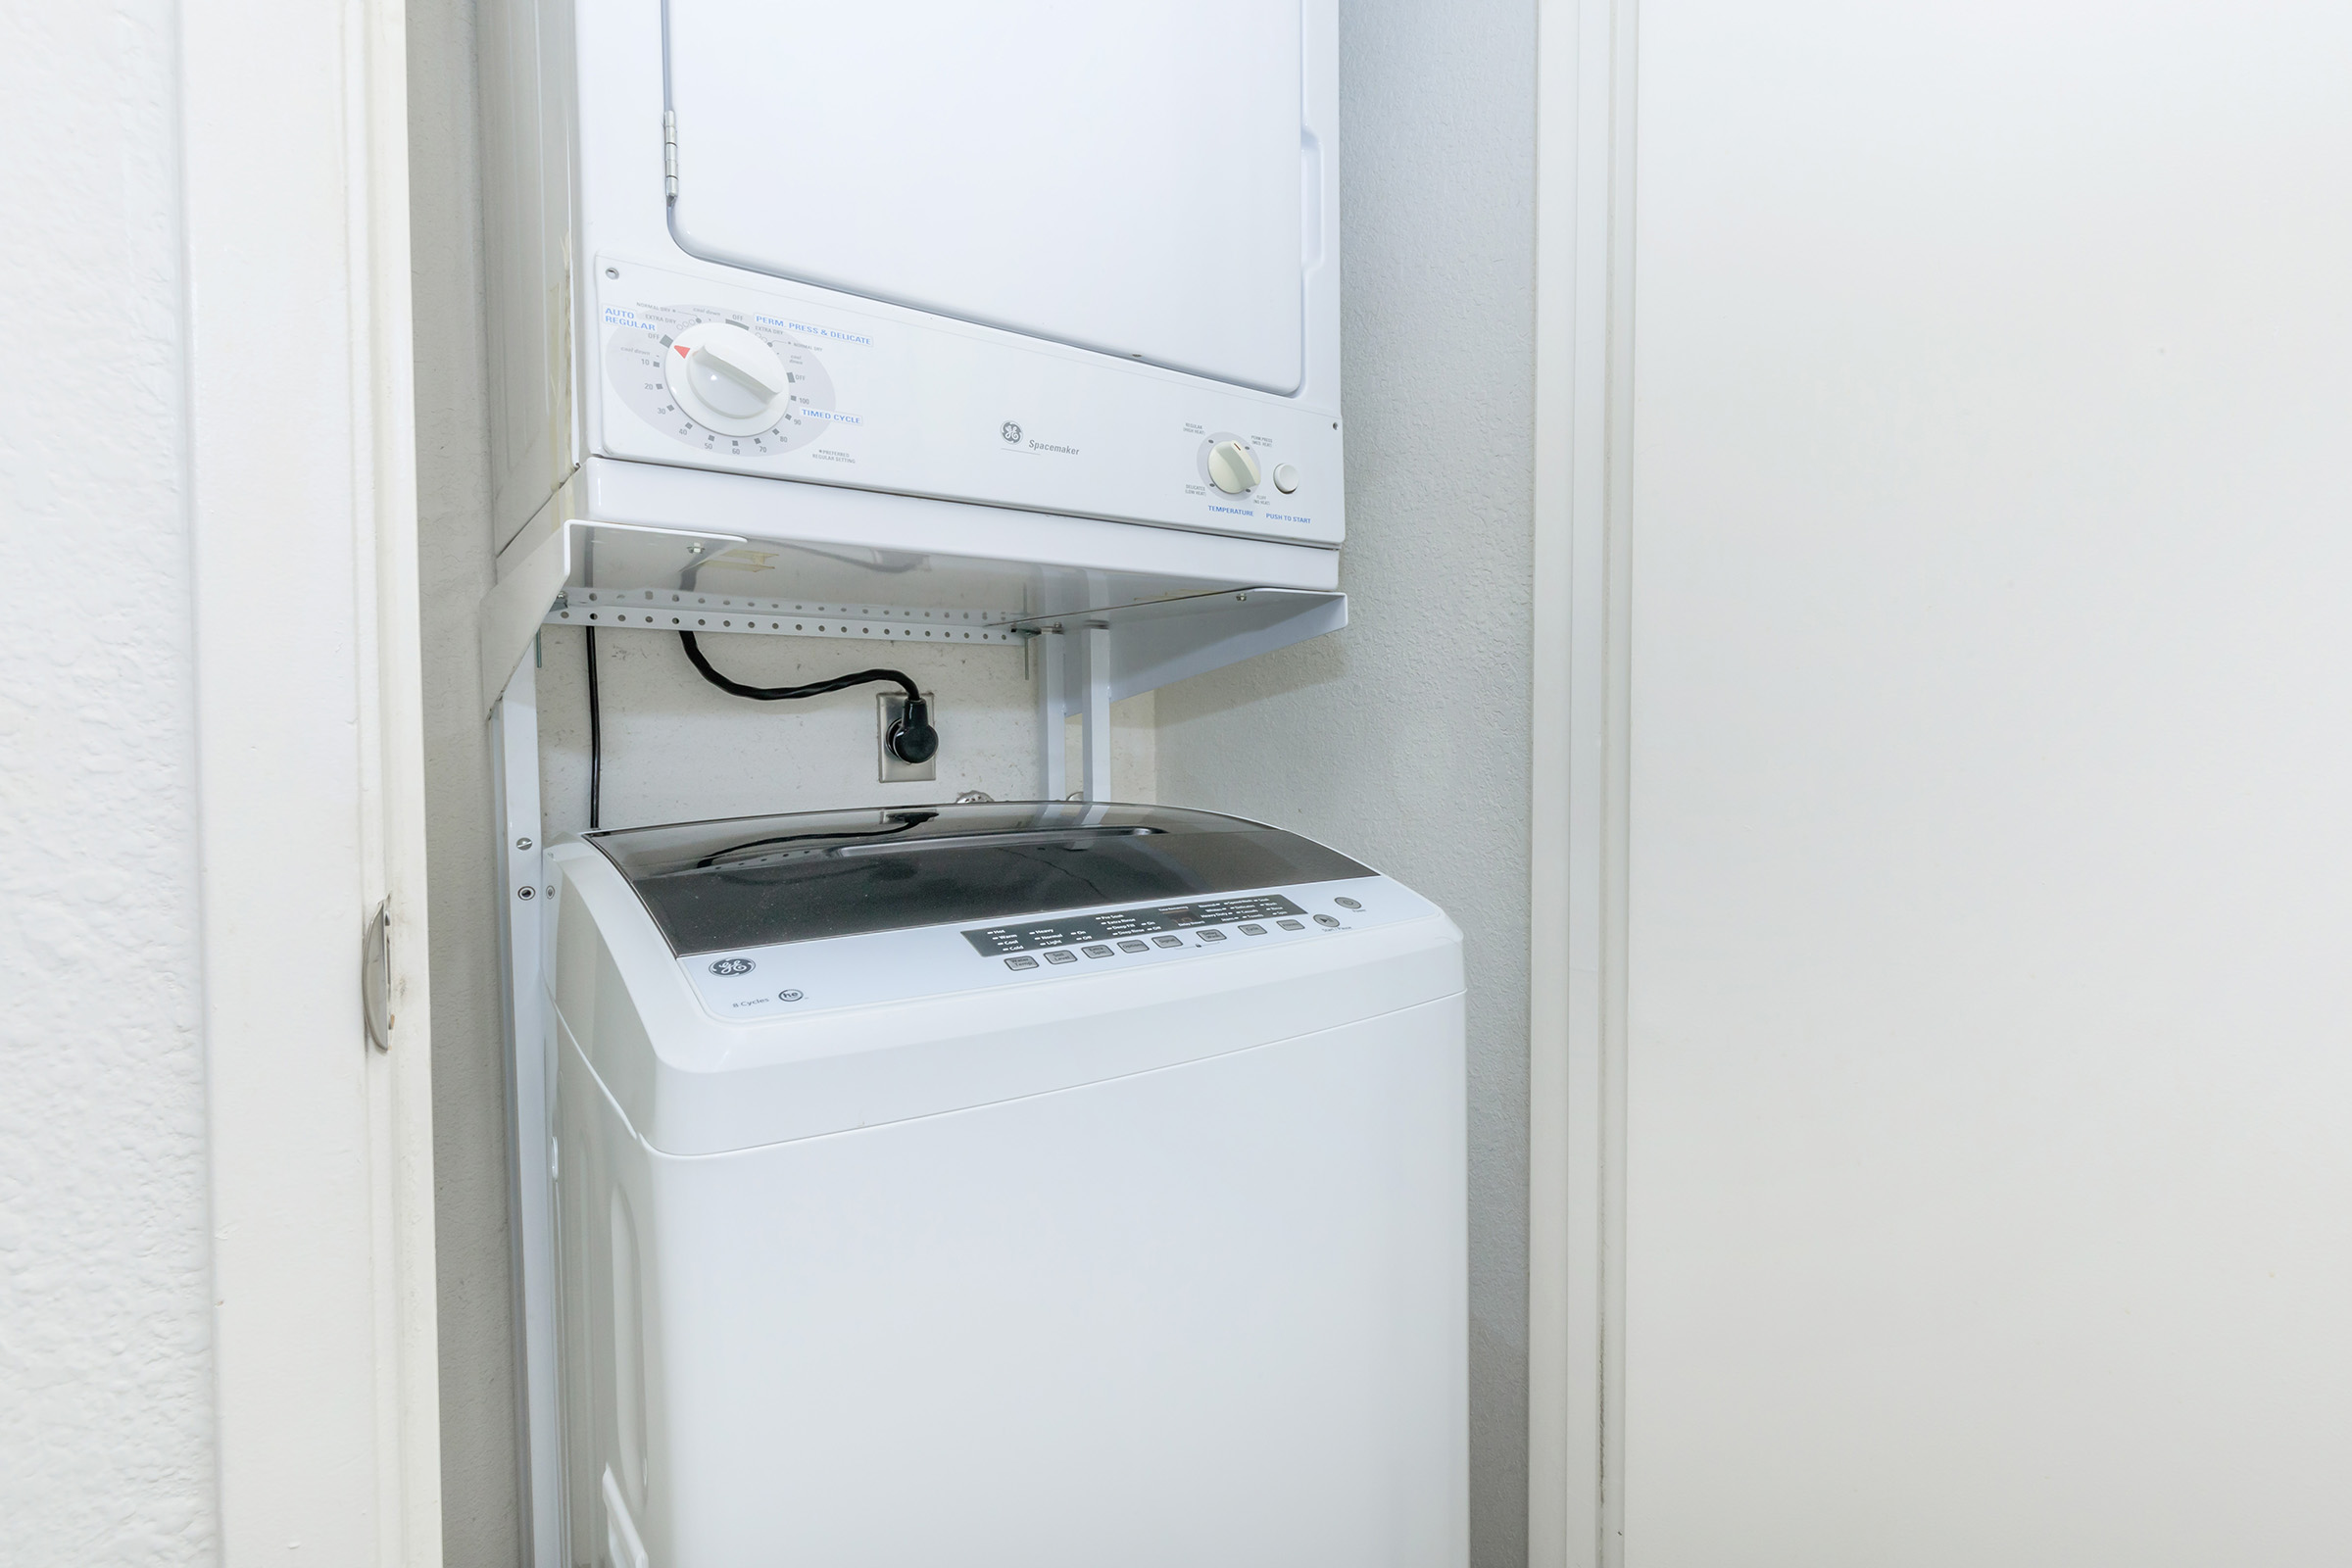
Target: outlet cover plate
(890,705)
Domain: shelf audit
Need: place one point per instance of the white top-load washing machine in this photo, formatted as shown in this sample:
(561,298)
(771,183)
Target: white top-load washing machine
(1055,1185)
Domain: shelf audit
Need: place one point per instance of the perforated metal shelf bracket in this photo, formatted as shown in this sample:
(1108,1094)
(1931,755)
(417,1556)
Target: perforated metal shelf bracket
(676,609)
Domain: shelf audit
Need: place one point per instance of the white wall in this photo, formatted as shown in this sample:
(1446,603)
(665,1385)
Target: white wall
(106,1447)
(676,747)
(1402,739)
(1989,1193)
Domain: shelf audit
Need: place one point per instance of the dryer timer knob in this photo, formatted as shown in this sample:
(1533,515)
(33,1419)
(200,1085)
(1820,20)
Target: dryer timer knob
(726,379)
(1233,468)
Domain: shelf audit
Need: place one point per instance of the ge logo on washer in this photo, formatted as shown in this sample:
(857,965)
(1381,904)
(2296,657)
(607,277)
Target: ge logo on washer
(732,966)
(1010,431)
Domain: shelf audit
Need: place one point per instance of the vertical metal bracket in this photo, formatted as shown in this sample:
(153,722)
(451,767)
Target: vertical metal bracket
(522,920)
(1053,707)
(1074,677)
(1095,715)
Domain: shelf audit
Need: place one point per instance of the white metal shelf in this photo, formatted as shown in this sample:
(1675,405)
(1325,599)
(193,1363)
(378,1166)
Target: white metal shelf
(1160,628)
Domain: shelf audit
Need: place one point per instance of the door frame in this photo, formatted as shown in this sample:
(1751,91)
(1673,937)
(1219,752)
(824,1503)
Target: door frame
(301,479)
(1584,84)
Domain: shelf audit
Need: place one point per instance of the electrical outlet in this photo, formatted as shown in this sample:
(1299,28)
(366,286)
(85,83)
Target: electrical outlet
(890,705)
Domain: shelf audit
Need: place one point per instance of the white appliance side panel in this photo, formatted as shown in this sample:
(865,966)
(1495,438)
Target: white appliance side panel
(1213,1314)
(1123,177)
(887,398)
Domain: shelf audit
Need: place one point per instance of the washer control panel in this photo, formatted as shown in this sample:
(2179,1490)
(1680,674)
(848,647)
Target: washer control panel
(792,978)
(1160,925)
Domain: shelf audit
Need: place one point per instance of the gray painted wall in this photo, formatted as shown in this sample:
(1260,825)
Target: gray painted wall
(1402,739)
(480,1525)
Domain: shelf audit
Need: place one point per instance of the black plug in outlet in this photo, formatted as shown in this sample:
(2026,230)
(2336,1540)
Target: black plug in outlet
(908,745)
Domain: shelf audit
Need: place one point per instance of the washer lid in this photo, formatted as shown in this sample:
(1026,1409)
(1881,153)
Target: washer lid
(752,881)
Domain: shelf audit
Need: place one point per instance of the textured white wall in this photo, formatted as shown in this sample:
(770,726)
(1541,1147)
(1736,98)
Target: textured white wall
(1402,739)
(106,1416)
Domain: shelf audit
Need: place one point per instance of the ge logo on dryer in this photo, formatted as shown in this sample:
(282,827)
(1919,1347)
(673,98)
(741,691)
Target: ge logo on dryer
(732,966)
(1010,431)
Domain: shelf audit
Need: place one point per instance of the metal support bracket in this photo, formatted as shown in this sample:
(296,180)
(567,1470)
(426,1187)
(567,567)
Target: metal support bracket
(675,609)
(530,1082)
(1053,708)
(1074,676)
(1094,712)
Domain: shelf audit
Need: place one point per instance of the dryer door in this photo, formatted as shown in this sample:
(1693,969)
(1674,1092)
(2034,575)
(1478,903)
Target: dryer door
(1124,178)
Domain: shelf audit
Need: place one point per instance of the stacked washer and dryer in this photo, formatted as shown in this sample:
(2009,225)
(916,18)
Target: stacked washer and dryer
(1048,1183)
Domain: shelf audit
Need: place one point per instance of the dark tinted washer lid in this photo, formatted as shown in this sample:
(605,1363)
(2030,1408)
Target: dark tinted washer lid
(749,881)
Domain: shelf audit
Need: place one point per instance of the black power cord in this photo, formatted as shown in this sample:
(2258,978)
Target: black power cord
(910,739)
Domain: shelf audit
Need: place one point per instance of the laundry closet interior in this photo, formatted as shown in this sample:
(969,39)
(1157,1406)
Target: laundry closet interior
(866,441)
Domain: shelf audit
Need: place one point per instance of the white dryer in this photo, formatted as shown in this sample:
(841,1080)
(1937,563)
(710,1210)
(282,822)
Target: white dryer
(1028,281)
(1048,1185)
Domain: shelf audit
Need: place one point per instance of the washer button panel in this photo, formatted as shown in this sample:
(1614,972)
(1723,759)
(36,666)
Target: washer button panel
(1033,947)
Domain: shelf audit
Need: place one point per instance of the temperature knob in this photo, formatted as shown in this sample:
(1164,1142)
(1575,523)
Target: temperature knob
(726,380)
(1232,467)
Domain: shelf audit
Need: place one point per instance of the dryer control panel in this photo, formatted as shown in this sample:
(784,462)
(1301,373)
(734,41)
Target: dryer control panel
(799,383)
